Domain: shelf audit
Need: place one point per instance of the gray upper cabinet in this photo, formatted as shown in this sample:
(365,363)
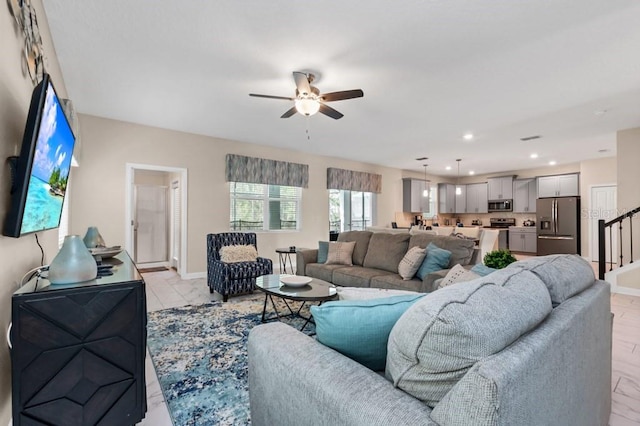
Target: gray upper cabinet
(461,199)
(524,195)
(500,188)
(559,186)
(477,198)
(413,199)
(446,198)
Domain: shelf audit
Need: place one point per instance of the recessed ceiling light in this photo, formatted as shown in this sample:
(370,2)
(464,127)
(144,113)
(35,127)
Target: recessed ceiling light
(471,172)
(552,163)
(448,168)
(468,136)
(534,155)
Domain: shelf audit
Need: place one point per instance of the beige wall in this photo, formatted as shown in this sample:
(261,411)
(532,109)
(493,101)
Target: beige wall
(17,255)
(101,202)
(628,150)
(151,177)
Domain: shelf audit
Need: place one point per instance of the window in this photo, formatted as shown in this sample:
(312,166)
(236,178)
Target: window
(351,210)
(258,207)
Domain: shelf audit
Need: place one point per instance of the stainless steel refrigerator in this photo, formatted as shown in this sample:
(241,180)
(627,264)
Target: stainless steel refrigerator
(558,225)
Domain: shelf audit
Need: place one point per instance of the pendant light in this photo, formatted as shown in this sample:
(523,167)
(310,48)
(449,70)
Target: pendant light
(425,192)
(458,188)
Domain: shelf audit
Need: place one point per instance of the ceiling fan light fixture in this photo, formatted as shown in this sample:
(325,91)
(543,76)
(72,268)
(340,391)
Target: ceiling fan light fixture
(307,106)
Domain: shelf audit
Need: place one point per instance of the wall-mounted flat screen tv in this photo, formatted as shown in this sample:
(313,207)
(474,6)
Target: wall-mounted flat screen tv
(42,170)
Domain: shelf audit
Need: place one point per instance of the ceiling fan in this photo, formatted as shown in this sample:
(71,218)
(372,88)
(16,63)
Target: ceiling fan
(308,99)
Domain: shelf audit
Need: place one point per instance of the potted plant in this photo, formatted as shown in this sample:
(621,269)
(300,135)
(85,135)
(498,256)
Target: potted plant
(498,259)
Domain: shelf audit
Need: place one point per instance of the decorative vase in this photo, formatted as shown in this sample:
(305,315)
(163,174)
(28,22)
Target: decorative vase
(73,263)
(93,239)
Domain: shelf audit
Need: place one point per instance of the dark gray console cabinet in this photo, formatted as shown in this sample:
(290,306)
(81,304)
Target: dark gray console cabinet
(79,349)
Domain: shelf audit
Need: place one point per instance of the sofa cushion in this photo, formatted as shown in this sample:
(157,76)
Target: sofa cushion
(323,251)
(395,281)
(238,253)
(340,253)
(386,251)
(442,335)
(361,238)
(435,260)
(461,249)
(564,275)
(360,329)
(411,261)
(357,276)
(322,271)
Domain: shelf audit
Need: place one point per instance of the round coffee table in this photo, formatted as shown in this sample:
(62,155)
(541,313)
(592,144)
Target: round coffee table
(316,290)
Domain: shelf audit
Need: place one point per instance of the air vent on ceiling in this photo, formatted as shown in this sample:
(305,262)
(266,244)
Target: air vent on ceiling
(422,158)
(530,138)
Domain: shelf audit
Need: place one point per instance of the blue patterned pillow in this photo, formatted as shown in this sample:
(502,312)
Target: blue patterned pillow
(360,329)
(323,251)
(436,260)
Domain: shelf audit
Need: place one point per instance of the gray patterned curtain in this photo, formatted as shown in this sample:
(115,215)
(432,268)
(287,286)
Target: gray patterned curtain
(350,180)
(269,172)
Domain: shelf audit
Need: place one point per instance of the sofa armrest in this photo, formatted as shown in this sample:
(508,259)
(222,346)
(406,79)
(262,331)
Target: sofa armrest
(293,379)
(303,258)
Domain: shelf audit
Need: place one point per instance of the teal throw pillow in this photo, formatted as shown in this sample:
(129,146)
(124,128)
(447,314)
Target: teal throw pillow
(436,260)
(323,251)
(482,270)
(360,329)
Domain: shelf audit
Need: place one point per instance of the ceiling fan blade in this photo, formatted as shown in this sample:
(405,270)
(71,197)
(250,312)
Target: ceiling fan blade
(330,112)
(289,113)
(340,96)
(272,97)
(302,82)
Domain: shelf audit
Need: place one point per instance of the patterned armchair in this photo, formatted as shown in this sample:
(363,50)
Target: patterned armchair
(233,278)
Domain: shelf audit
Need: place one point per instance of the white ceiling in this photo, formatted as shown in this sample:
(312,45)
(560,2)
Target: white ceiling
(431,70)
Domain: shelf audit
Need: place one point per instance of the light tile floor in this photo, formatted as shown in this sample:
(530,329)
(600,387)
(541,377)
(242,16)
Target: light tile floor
(166,290)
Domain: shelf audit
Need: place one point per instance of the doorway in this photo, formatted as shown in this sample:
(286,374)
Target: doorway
(602,206)
(156,211)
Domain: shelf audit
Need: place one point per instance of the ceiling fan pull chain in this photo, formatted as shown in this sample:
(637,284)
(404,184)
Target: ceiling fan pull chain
(308,133)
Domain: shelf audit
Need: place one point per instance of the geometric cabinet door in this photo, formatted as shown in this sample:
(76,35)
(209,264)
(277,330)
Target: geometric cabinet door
(78,355)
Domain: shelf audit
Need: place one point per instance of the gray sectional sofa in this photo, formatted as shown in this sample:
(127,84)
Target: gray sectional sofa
(376,257)
(527,345)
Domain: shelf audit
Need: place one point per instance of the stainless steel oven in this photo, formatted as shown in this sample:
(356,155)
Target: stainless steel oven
(500,206)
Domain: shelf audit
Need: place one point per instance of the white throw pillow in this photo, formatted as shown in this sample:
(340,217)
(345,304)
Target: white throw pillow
(411,262)
(340,253)
(239,253)
(457,274)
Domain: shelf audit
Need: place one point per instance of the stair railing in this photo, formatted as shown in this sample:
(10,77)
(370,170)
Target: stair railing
(602,242)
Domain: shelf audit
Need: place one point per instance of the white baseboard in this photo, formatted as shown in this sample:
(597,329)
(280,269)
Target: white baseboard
(152,264)
(626,291)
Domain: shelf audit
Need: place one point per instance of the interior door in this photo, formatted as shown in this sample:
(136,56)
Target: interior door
(151,224)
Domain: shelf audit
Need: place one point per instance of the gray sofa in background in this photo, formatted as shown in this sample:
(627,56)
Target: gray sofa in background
(556,371)
(376,257)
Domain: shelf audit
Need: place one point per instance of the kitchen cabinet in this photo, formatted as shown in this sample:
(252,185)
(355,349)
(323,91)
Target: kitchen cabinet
(500,188)
(79,350)
(477,198)
(525,192)
(446,198)
(523,239)
(559,186)
(413,199)
(461,199)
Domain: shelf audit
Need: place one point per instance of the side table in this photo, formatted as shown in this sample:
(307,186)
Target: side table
(284,256)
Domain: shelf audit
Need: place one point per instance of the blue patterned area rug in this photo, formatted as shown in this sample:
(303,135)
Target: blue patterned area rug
(200,356)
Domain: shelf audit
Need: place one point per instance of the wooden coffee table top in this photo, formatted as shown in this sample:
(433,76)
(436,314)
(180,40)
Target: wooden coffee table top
(316,290)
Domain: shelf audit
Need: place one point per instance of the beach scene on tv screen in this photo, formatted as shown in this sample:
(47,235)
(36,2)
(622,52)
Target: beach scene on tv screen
(50,169)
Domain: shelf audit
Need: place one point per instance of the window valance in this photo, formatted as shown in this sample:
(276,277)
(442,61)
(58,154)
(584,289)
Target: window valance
(350,180)
(269,172)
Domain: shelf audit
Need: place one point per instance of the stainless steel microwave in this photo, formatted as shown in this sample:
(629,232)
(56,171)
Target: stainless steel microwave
(500,206)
